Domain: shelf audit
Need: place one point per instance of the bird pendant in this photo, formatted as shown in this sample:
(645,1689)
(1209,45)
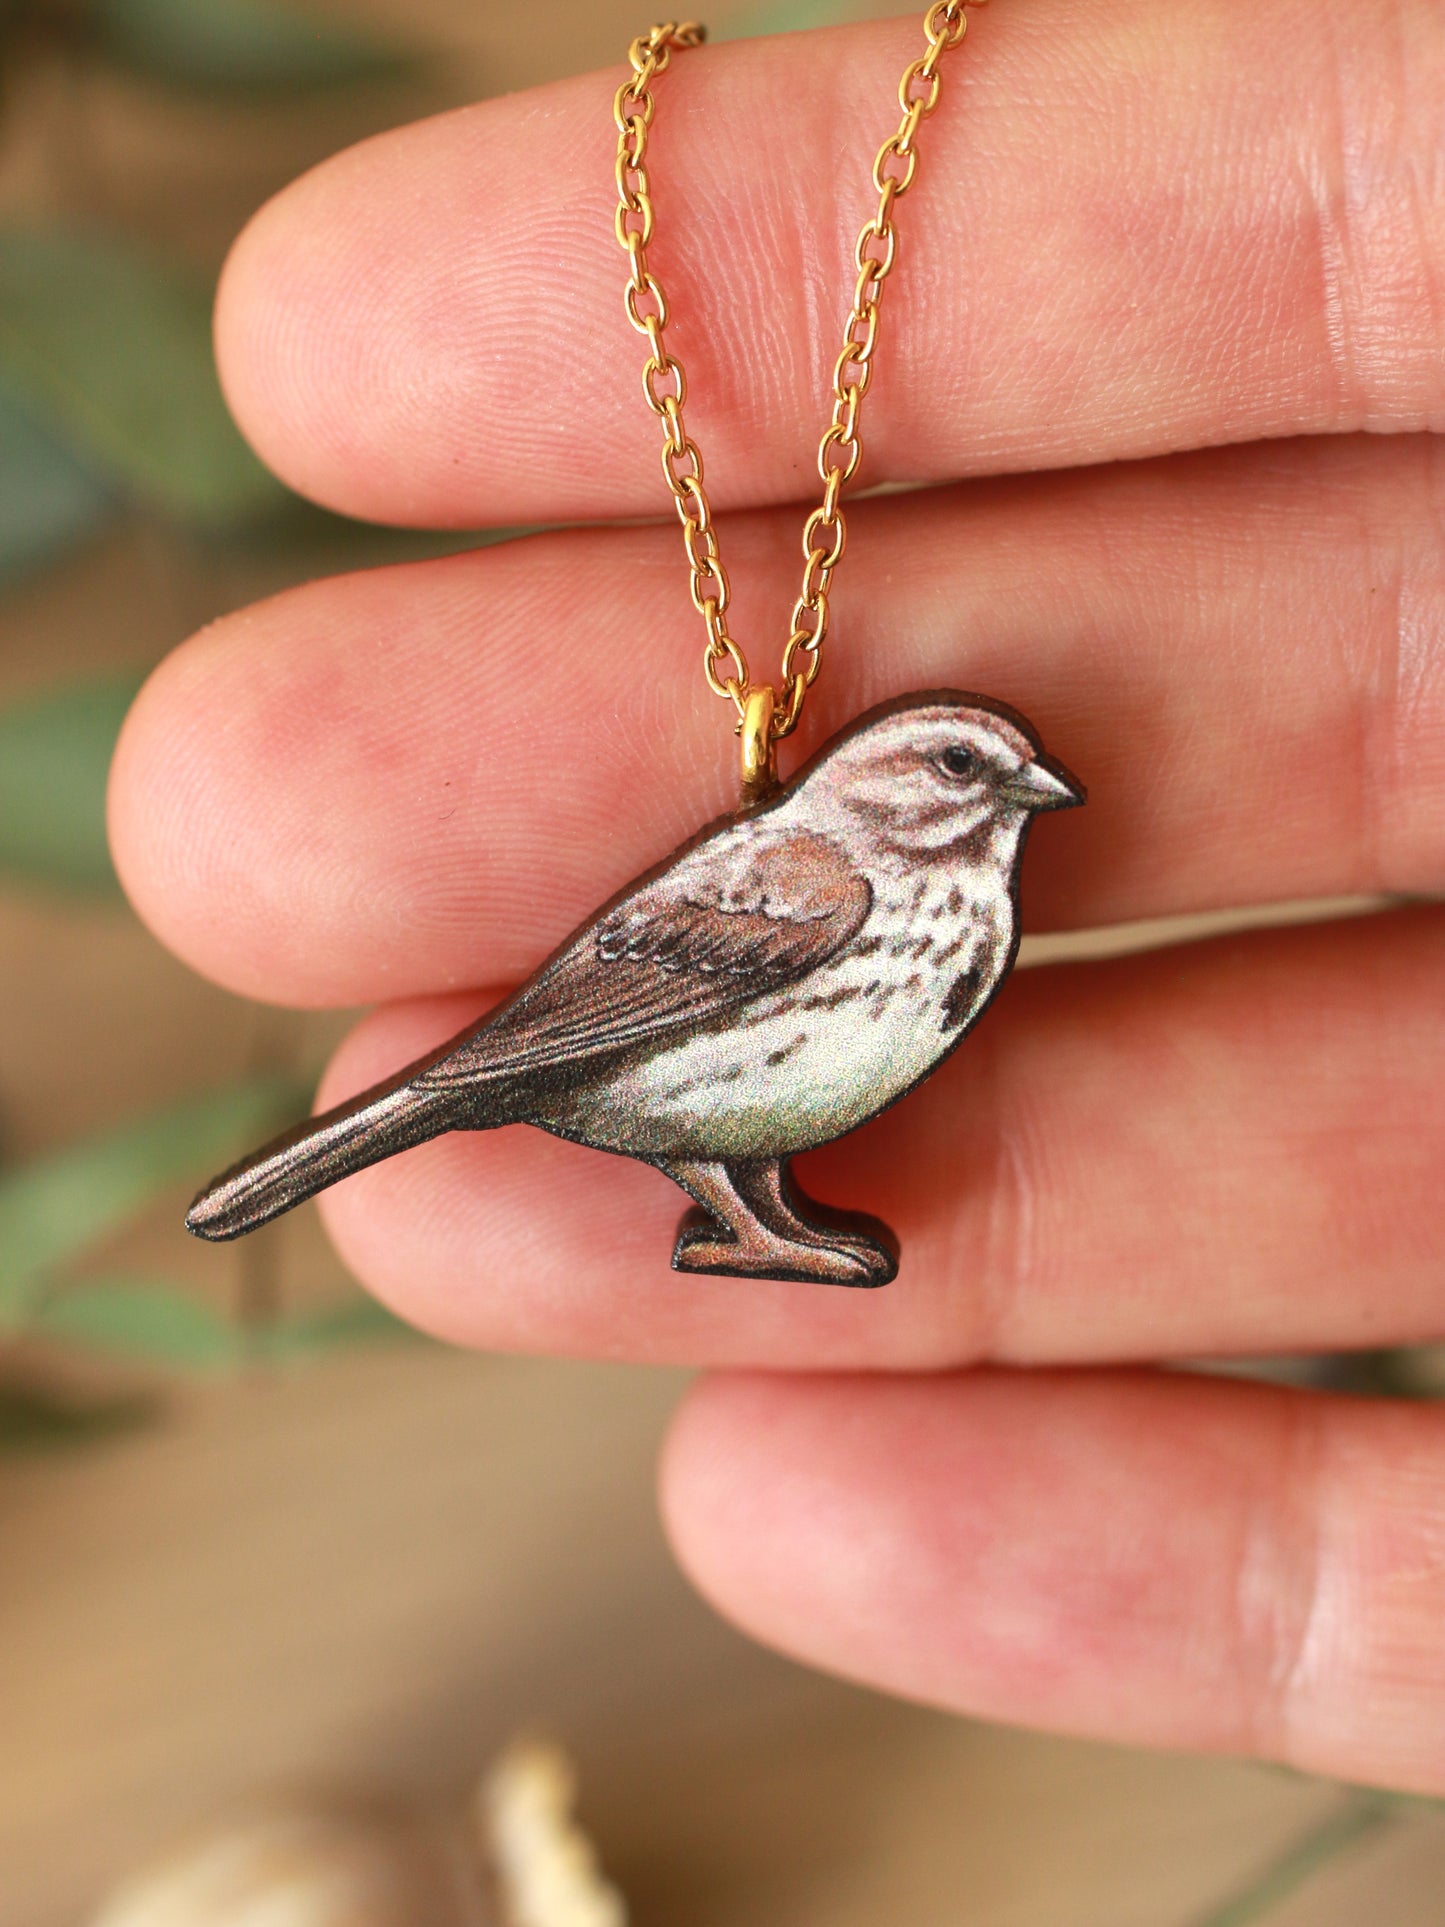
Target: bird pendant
(776,982)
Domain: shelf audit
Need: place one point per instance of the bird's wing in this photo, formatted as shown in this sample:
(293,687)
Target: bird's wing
(741,915)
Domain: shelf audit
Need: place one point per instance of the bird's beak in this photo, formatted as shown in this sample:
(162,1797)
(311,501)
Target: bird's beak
(1042,785)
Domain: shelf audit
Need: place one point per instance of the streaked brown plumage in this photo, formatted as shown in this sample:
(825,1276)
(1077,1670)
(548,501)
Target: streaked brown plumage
(782,978)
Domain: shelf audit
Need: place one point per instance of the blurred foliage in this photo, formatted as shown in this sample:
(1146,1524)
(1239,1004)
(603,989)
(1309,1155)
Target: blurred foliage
(303,1335)
(797,16)
(35,1419)
(250,45)
(155,1324)
(51,500)
(55,753)
(112,350)
(108,387)
(236,43)
(110,402)
(136,1318)
(1363,1813)
(56,1209)
(53,1209)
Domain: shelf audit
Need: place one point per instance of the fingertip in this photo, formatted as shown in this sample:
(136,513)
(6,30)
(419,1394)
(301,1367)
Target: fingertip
(242,782)
(296,298)
(360,1213)
(369,316)
(742,1492)
(158,819)
(126,799)
(693,1478)
(200,832)
(697,1476)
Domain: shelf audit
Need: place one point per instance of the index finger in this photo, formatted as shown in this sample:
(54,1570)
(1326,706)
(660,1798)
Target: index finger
(1128,235)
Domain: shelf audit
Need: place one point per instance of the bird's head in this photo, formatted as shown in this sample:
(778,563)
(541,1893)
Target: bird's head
(940,775)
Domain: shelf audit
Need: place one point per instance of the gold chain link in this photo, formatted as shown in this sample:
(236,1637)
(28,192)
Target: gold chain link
(664,384)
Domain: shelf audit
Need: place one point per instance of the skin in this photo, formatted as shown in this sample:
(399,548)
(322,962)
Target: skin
(1237,638)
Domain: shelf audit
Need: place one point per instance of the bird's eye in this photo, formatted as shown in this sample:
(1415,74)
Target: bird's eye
(958,761)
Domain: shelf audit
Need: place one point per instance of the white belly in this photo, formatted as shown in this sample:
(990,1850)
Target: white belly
(809,1063)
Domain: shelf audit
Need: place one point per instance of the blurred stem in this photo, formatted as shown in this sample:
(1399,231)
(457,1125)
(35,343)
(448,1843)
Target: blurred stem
(1361,1815)
(258,1292)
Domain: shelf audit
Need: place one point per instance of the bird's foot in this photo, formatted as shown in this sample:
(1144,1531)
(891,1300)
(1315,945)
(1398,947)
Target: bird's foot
(834,1258)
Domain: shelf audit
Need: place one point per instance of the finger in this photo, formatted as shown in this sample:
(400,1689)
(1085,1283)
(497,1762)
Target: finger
(1154,1560)
(417,778)
(1231,1147)
(1126,236)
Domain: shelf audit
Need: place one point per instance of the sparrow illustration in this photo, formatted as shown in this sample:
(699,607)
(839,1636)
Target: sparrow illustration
(781,979)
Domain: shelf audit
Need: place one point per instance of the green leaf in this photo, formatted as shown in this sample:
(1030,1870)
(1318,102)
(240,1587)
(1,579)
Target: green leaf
(359,1321)
(157,1324)
(136,1319)
(797,16)
(55,753)
(237,43)
(50,500)
(1361,1815)
(54,1207)
(32,1420)
(112,350)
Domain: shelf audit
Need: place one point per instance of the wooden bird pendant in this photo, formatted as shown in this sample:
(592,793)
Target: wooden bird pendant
(782,978)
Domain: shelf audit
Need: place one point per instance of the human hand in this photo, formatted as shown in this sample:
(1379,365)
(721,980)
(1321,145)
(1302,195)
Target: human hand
(1137,232)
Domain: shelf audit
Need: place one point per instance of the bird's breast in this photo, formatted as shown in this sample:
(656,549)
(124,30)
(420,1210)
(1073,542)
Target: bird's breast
(810,1062)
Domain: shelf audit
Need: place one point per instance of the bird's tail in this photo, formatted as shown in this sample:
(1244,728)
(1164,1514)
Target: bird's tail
(389,1118)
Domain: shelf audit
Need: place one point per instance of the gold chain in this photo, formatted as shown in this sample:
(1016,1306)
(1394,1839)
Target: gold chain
(665,385)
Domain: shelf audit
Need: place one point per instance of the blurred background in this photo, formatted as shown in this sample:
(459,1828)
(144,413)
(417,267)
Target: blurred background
(253,1537)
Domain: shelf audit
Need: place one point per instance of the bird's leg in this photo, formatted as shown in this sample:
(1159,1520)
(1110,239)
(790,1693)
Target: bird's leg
(751,1226)
(776,1197)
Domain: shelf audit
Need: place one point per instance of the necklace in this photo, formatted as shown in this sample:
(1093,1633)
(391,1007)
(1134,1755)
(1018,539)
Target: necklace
(797,967)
